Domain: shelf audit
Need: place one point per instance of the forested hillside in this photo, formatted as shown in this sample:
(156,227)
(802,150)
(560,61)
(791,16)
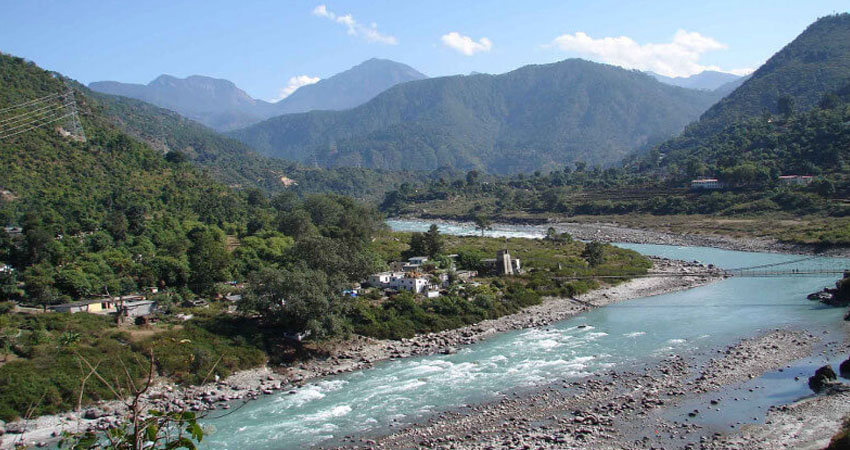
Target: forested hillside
(535,117)
(816,62)
(815,142)
(789,117)
(233,163)
(112,214)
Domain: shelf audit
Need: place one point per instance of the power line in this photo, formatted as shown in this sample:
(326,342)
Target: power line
(20,105)
(36,126)
(35,116)
(38,117)
(15,118)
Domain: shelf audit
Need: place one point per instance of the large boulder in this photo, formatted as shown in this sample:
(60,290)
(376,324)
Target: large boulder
(844,369)
(822,378)
(94,413)
(15,427)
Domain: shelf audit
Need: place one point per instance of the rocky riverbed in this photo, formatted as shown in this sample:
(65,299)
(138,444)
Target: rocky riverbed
(626,410)
(612,232)
(606,232)
(357,354)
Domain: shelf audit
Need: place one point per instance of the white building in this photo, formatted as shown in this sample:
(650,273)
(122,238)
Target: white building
(706,183)
(417,285)
(413,264)
(795,180)
(383,279)
(399,280)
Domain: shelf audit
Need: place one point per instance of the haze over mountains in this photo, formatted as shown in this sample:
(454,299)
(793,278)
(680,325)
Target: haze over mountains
(708,80)
(525,120)
(221,105)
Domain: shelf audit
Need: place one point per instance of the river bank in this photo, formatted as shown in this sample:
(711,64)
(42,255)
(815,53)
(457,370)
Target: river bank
(631,409)
(357,354)
(610,232)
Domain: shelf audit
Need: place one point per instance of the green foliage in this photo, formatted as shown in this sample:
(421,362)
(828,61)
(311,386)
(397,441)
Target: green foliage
(47,375)
(594,253)
(403,316)
(157,430)
(194,354)
(428,244)
(299,300)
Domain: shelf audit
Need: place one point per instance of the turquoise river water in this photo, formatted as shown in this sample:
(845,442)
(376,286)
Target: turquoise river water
(395,393)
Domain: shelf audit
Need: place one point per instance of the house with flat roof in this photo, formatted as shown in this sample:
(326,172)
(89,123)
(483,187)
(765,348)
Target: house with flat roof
(137,308)
(105,305)
(399,280)
(95,306)
(707,183)
(795,180)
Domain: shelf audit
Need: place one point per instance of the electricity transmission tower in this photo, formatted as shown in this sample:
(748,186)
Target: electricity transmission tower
(29,115)
(76,128)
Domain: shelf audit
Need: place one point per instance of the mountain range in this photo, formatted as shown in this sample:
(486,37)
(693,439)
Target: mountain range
(532,118)
(221,105)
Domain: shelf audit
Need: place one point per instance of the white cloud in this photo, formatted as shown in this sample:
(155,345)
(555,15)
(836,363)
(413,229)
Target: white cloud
(293,85)
(465,44)
(370,32)
(678,58)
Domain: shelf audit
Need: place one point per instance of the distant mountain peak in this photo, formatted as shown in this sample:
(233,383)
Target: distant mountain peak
(349,88)
(220,104)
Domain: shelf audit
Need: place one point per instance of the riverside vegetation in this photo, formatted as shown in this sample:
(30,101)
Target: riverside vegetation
(111,215)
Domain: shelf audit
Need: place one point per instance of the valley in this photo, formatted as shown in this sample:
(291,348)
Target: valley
(574,239)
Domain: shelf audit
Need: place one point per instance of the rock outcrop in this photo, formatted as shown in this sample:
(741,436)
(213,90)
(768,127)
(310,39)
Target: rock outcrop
(823,378)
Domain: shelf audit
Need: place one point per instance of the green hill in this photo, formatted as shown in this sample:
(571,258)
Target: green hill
(746,129)
(816,62)
(234,163)
(82,182)
(533,118)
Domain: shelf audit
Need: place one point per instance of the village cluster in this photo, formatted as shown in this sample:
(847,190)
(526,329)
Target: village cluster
(419,276)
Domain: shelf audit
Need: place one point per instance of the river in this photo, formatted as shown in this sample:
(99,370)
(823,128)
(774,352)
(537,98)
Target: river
(395,393)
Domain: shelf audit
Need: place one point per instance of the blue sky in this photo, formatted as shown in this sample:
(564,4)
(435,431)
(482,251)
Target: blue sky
(265,46)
